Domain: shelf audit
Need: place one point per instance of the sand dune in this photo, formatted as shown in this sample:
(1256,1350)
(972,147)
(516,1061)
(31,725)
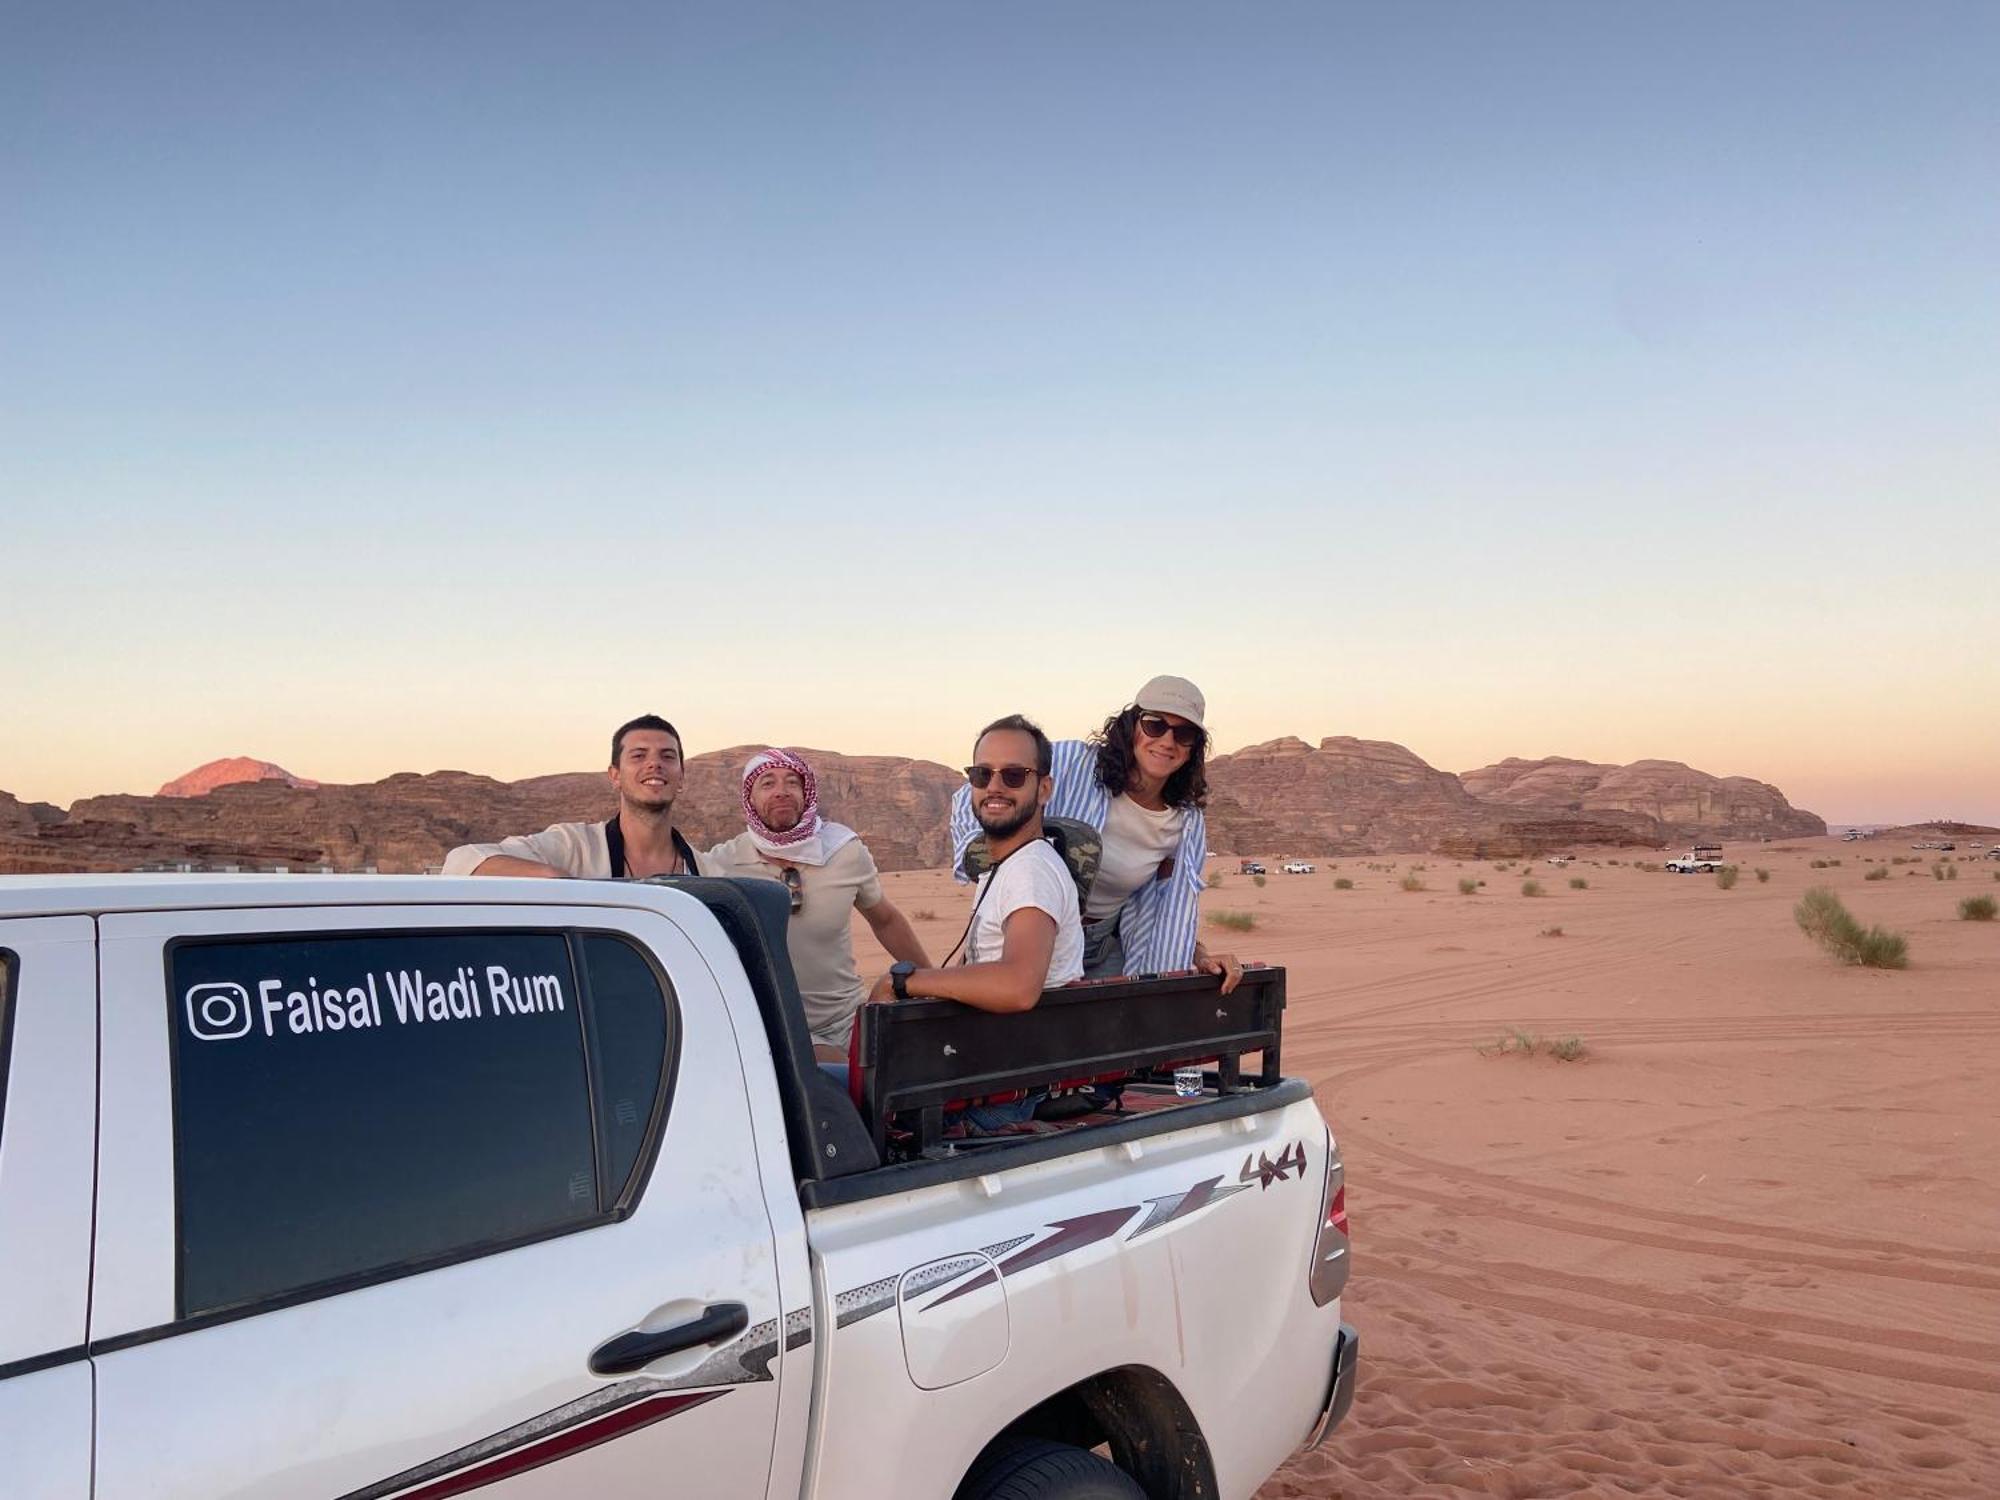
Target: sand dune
(1747,1244)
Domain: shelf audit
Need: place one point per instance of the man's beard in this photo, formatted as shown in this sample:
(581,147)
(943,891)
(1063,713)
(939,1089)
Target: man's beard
(1009,826)
(662,809)
(792,819)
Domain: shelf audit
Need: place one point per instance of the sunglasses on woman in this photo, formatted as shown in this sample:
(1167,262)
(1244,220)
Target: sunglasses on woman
(1153,726)
(1014,777)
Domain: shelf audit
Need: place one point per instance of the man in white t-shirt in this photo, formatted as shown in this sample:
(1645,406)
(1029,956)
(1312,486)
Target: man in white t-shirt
(1025,935)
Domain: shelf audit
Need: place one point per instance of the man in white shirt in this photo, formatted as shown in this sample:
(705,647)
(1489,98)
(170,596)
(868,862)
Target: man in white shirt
(647,769)
(1025,935)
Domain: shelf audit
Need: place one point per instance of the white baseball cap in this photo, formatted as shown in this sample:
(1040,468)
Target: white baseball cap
(1172,695)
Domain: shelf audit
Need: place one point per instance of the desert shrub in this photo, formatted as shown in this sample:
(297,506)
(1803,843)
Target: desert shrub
(1726,877)
(1951,872)
(1880,872)
(1901,859)
(1258,881)
(1763,877)
(1578,883)
(1343,884)
(1822,918)
(1235,921)
(1819,864)
(1468,887)
(1550,932)
(1412,881)
(1482,883)
(1937,872)
(1977,909)
(1518,1041)
(1215,880)
(1531,888)
(923,914)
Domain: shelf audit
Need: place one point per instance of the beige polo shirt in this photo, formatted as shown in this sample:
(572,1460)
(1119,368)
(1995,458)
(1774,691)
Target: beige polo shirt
(820,935)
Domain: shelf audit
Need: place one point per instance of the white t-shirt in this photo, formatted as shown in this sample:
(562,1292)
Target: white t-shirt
(1033,875)
(1136,839)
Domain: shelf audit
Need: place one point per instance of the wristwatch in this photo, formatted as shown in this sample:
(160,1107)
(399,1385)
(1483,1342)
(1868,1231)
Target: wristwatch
(899,978)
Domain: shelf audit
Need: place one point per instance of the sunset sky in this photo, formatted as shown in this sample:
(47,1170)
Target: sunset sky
(390,387)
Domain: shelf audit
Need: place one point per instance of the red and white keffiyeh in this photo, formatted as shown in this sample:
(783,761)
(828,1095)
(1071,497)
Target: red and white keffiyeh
(810,841)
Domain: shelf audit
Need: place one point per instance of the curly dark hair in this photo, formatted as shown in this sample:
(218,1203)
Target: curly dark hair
(1187,787)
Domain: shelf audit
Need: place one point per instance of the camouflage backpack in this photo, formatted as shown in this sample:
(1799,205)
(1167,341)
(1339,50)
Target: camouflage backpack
(1080,846)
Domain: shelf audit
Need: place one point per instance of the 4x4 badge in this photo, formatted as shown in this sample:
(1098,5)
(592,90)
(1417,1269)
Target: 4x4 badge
(1263,1171)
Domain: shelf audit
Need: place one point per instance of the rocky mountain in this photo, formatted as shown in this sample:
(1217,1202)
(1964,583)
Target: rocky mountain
(228,772)
(1343,796)
(1685,802)
(16,815)
(1350,796)
(407,822)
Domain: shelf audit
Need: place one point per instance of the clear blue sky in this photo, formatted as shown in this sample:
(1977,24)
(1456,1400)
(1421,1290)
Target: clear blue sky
(395,386)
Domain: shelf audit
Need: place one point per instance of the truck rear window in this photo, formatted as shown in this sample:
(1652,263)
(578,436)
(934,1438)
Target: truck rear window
(354,1106)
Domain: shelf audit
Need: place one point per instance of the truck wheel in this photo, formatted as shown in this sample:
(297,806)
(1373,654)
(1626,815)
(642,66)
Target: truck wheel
(1037,1470)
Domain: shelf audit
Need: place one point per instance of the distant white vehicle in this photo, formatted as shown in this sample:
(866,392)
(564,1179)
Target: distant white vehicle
(1702,859)
(1297,867)
(1562,859)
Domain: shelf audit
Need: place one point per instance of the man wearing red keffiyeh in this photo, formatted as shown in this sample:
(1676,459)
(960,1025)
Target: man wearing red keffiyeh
(830,873)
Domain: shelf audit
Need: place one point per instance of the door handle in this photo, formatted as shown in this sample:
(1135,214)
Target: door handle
(635,1350)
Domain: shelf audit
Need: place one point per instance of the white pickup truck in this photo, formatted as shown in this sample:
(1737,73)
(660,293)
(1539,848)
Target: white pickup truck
(380,1188)
(1702,859)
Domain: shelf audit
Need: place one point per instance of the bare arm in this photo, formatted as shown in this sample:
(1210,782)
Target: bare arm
(507,864)
(893,931)
(1012,982)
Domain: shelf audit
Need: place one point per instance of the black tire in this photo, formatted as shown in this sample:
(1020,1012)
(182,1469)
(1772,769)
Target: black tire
(1035,1470)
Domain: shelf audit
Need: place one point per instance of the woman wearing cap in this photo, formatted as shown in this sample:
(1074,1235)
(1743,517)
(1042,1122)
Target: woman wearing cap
(1140,781)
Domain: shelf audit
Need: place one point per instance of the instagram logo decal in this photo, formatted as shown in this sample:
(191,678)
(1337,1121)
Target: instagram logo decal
(218,1012)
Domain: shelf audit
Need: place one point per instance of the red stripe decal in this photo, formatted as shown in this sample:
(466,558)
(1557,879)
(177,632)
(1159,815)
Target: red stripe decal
(558,1445)
(1070,1234)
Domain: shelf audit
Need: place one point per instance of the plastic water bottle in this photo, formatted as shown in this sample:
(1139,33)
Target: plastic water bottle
(1187,1082)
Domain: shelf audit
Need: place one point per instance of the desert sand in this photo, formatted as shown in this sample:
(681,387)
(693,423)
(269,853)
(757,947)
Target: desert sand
(1748,1243)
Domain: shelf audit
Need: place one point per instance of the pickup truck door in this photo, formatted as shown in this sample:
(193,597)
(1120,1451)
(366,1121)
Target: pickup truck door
(376,1256)
(48,1091)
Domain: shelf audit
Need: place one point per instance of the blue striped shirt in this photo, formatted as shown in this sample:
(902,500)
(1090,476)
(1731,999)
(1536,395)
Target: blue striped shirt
(1158,930)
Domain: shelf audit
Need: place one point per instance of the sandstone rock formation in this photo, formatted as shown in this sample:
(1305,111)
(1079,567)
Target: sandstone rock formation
(1342,796)
(204,779)
(17,816)
(407,822)
(1353,796)
(1686,803)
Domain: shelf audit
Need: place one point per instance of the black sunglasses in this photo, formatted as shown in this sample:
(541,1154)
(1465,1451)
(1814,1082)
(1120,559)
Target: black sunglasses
(795,884)
(1014,776)
(1153,726)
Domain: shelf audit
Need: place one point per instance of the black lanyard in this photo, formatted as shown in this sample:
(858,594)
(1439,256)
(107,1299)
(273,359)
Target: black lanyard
(614,840)
(991,870)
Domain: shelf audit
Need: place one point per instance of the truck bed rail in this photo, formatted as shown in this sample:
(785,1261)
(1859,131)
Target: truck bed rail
(916,1058)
